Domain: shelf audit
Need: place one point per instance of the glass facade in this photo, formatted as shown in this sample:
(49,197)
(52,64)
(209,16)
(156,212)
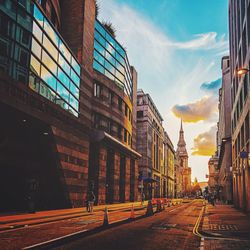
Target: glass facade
(32,51)
(111,60)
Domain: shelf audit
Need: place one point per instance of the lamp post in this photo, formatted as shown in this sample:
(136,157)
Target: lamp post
(242,71)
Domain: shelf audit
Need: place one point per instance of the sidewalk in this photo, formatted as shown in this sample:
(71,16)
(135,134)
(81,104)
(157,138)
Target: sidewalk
(225,228)
(19,220)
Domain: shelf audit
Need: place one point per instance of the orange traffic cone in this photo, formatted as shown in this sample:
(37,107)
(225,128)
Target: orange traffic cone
(132,214)
(106,217)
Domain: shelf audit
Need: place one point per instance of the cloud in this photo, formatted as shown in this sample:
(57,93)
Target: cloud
(205,41)
(212,86)
(204,143)
(204,109)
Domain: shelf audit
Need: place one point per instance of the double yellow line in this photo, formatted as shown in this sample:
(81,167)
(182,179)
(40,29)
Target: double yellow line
(197,224)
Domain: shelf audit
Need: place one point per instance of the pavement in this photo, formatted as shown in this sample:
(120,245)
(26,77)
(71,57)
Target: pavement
(224,227)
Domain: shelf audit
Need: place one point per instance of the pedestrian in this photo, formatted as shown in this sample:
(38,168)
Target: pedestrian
(91,200)
(212,199)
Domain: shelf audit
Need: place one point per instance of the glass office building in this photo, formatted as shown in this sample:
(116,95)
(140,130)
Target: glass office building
(111,60)
(33,52)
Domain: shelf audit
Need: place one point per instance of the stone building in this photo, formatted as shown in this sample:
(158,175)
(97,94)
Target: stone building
(224,134)
(150,136)
(182,156)
(169,168)
(177,177)
(213,174)
(239,37)
(68,96)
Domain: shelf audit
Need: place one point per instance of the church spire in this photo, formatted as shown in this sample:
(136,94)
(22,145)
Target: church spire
(181,149)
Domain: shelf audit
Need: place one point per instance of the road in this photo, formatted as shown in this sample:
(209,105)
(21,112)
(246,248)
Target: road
(170,229)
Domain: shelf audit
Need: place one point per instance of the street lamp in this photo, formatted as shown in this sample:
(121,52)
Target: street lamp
(242,71)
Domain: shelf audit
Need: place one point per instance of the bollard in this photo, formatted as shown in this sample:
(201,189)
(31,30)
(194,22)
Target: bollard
(132,214)
(106,217)
(149,211)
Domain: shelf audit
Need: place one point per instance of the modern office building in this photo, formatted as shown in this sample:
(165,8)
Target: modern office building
(150,136)
(239,37)
(182,156)
(224,147)
(67,96)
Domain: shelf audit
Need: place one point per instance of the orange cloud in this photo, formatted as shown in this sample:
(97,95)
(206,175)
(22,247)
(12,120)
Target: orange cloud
(201,110)
(204,144)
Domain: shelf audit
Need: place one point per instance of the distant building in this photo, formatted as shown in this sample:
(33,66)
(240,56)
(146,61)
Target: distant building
(150,135)
(239,37)
(213,174)
(182,156)
(224,147)
(169,167)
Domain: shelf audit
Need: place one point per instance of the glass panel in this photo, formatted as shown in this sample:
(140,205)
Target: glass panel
(9,8)
(100,28)
(36,48)
(23,37)
(34,82)
(110,76)
(37,32)
(63,77)
(50,32)
(100,39)
(74,90)
(22,56)
(110,58)
(24,19)
(63,49)
(35,65)
(50,47)
(75,77)
(48,78)
(61,103)
(99,58)
(27,4)
(73,102)
(75,65)
(63,63)
(99,48)
(109,67)
(46,92)
(38,15)
(110,49)
(49,63)
(119,76)
(119,58)
(62,91)
(98,67)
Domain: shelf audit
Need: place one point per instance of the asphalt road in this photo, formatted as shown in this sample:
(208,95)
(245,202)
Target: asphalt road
(171,229)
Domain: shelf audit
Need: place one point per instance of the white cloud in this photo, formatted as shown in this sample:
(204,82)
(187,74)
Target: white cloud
(204,41)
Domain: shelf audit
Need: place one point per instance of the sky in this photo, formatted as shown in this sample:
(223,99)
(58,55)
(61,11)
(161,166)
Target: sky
(176,47)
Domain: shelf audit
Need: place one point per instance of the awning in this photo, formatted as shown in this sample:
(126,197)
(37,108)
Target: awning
(101,135)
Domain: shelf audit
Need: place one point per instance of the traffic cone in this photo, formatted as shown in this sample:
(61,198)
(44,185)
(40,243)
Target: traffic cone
(132,214)
(106,217)
(149,211)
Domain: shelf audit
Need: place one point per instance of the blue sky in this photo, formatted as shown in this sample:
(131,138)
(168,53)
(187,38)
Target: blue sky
(176,46)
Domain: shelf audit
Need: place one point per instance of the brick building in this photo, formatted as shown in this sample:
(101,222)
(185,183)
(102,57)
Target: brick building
(67,95)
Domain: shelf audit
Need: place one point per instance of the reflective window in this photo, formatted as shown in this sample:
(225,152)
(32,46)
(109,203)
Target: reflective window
(49,62)
(63,77)
(48,78)
(51,32)
(111,59)
(63,63)
(35,65)
(37,32)
(50,47)
(33,52)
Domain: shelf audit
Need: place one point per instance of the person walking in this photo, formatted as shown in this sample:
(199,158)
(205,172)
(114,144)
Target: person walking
(91,200)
